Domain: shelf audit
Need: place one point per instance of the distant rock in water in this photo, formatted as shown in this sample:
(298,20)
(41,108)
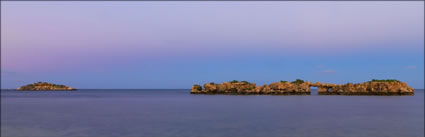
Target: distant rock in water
(299,87)
(45,86)
(374,87)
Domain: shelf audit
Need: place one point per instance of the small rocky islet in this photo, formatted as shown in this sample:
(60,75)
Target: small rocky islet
(301,87)
(44,86)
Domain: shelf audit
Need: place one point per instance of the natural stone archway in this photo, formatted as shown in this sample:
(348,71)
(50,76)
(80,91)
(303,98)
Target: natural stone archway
(382,87)
(322,89)
(366,88)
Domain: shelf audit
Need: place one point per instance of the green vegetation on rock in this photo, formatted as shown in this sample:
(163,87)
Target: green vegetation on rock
(245,82)
(384,80)
(234,81)
(298,81)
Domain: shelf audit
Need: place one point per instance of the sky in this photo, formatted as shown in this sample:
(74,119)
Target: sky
(173,45)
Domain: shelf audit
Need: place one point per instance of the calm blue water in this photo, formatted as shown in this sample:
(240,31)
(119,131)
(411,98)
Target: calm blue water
(168,113)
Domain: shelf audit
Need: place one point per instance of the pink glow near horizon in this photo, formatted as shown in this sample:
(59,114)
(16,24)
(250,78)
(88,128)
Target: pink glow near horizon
(82,36)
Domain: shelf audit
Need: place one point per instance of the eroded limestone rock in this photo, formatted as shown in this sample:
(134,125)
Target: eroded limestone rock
(278,88)
(366,88)
(45,86)
(299,87)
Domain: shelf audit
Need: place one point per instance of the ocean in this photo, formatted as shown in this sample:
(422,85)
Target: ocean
(176,112)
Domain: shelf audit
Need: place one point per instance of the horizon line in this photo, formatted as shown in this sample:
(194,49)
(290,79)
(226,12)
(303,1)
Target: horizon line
(148,89)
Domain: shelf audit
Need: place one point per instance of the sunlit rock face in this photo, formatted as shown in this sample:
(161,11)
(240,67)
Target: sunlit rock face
(45,87)
(299,87)
(366,88)
(196,88)
(236,87)
(288,88)
(227,88)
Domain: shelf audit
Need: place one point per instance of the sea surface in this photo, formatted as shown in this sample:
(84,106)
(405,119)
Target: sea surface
(176,113)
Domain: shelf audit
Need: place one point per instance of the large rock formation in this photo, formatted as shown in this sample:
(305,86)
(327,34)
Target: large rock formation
(299,87)
(367,88)
(45,86)
(225,88)
(286,88)
(244,87)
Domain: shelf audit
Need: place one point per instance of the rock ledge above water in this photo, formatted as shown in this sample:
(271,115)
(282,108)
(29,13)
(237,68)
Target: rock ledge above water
(45,86)
(300,87)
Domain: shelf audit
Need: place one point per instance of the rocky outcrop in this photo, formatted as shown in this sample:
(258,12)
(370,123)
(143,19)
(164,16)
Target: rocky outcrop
(225,88)
(45,86)
(244,87)
(287,88)
(299,87)
(366,88)
(197,88)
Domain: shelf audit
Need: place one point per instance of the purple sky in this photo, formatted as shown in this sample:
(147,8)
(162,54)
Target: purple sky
(177,44)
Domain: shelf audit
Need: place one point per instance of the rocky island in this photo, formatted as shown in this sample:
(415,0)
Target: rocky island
(301,87)
(45,86)
(373,87)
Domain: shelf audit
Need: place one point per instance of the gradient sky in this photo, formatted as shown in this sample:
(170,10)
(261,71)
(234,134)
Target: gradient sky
(115,44)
